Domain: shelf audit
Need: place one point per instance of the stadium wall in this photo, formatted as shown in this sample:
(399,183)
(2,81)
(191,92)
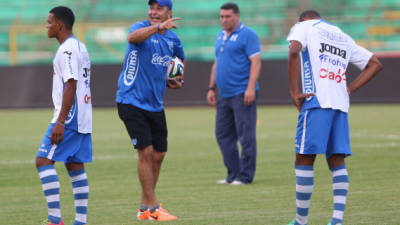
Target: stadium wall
(30,86)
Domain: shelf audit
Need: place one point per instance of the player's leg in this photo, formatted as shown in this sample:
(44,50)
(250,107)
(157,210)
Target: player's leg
(49,178)
(80,189)
(149,209)
(159,132)
(311,139)
(340,187)
(225,132)
(146,178)
(51,188)
(338,149)
(138,127)
(304,168)
(158,158)
(245,121)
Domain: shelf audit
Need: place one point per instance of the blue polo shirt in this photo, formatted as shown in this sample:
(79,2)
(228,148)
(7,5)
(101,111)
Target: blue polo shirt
(233,55)
(142,80)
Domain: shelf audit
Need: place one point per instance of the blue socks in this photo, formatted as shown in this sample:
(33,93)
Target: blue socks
(304,188)
(80,187)
(340,184)
(51,188)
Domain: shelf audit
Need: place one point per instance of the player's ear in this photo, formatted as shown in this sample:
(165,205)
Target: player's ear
(60,24)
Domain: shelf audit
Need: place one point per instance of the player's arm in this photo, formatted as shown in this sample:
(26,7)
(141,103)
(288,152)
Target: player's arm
(372,68)
(68,99)
(140,35)
(212,85)
(294,69)
(255,67)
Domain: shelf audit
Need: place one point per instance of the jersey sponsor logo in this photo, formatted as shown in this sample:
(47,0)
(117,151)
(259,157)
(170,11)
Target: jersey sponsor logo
(87,83)
(86,72)
(335,62)
(332,49)
(308,81)
(161,60)
(87,99)
(338,77)
(155,41)
(69,61)
(131,68)
(71,113)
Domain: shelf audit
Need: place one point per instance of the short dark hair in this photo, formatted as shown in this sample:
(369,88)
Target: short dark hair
(309,14)
(231,5)
(65,15)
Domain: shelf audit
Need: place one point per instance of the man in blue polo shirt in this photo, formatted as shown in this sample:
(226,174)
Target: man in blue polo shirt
(235,72)
(141,88)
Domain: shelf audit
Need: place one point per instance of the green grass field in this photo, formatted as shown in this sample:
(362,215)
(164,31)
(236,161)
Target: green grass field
(187,185)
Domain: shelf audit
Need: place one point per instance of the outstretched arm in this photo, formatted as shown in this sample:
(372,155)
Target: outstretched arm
(294,69)
(372,68)
(140,35)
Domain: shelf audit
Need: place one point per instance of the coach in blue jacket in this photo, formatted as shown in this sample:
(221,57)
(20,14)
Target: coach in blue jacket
(235,73)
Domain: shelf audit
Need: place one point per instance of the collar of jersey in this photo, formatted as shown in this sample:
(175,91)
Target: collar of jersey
(238,28)
(72,36)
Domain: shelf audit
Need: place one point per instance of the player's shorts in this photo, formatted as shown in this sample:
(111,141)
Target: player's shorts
(323,131)
(145,128)
(74,148)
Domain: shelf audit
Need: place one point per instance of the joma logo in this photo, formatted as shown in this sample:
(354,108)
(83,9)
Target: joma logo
(332,49)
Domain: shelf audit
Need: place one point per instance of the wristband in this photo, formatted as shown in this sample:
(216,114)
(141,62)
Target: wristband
(58,122)
(211,88)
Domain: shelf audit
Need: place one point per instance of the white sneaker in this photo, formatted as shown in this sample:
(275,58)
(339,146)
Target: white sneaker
(237,182)
(222,181)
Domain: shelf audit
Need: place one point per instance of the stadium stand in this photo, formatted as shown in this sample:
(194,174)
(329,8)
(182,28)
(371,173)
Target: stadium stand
(103,25)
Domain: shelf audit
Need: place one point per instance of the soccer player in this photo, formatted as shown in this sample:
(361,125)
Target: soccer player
(323,53)
(68,138)
(235,72)
(141,87)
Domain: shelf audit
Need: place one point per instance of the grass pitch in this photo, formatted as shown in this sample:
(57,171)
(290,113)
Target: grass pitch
(187,181)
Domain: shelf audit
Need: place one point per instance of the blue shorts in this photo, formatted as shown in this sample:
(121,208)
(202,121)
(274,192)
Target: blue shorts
(75,147)
(323,131)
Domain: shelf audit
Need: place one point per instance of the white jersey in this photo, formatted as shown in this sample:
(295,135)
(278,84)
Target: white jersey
(72,62)
(326,53)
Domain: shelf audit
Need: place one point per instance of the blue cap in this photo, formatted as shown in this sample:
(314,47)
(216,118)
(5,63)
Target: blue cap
(162,3)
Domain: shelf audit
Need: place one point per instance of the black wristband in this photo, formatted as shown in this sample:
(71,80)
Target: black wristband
(211,88)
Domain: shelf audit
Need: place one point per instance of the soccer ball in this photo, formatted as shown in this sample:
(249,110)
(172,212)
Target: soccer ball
(175,69)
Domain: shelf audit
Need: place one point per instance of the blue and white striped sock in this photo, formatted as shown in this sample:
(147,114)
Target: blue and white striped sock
(340,184)
(51,188)
(304,188)
(80,187)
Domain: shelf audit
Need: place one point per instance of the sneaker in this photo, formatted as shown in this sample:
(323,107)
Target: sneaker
(161,215)
(335,224)
(143,215)
(292,222)
(47,222)
(237,182)
(224,181)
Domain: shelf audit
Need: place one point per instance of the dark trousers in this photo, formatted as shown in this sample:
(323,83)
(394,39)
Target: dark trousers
(237,122)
